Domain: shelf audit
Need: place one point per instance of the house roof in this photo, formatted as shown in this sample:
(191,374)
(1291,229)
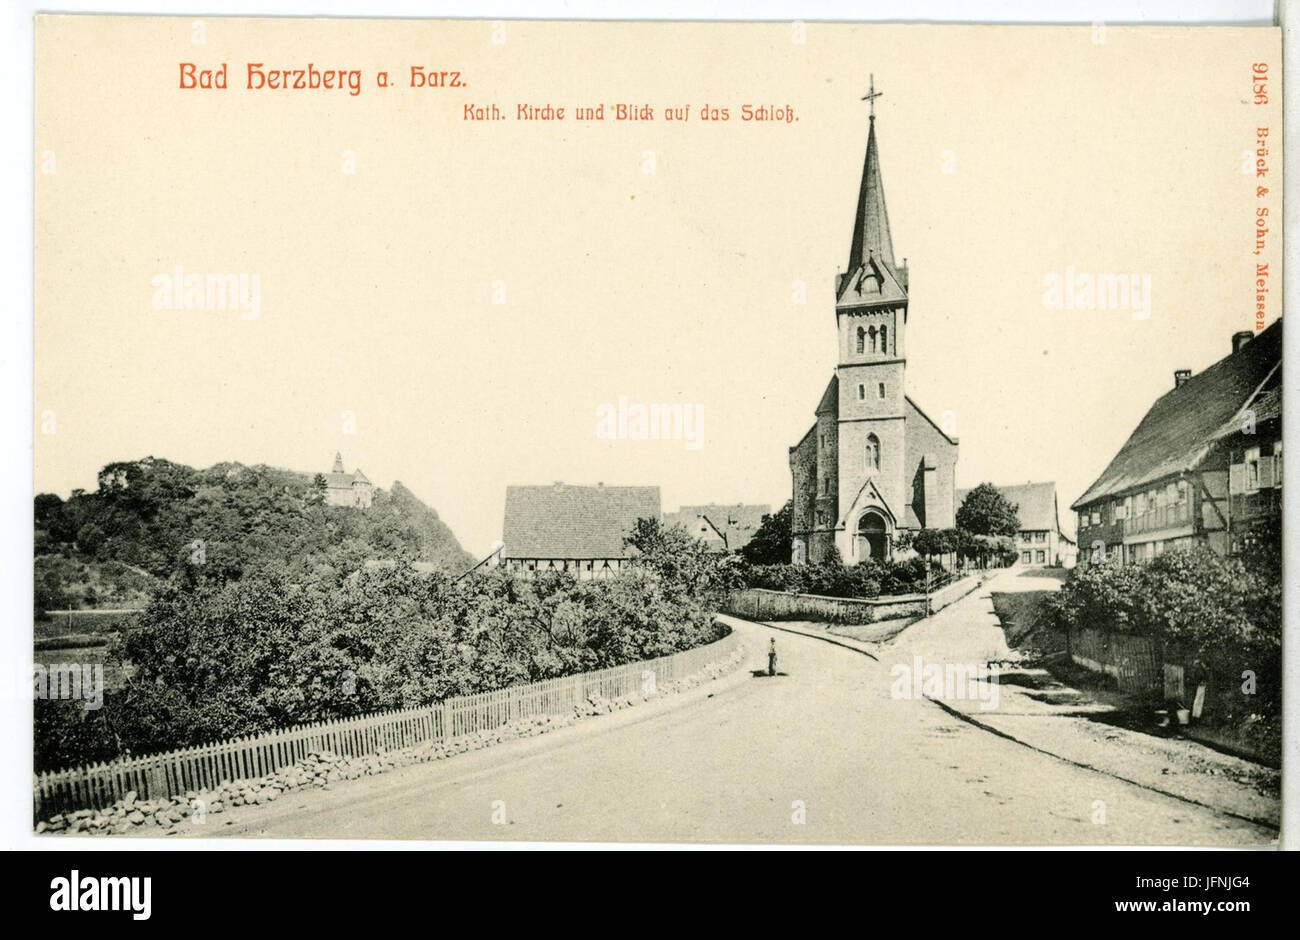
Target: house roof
(730,525)
(565,521)
(1036,504)
(1179,429)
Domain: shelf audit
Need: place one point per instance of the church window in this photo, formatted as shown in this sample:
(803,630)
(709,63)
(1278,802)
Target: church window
(872,334)
(862,393)
(880,391)
(884,339)
(873,452)
(862,339)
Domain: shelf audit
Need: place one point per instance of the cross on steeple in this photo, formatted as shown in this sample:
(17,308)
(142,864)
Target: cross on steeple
(872,95)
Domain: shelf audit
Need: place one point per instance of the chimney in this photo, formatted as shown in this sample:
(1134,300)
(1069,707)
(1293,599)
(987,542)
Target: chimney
(1181,376)
(1241,338)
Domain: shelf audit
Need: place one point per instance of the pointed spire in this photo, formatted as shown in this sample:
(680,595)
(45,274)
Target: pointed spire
(871,224)
(338,462)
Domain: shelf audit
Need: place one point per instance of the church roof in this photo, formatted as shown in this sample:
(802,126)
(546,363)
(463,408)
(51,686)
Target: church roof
(871,223)
(1179,429)
(831,397)
(871,276)
(564,521)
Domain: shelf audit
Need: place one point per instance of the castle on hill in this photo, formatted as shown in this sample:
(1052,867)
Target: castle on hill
(347,489)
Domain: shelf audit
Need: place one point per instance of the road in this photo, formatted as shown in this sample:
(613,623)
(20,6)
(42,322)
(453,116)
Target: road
(822,754)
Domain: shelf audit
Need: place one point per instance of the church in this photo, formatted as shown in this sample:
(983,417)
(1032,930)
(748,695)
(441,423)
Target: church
(874,465)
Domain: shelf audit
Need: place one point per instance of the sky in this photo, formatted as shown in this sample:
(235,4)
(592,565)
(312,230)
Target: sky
(450,303)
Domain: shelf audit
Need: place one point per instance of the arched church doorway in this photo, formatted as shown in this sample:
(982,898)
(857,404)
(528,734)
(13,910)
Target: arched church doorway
(873,536)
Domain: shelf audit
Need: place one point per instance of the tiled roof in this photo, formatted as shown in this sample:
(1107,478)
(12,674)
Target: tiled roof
(563,521)
(1179,428)
(1036,504)
(710,523)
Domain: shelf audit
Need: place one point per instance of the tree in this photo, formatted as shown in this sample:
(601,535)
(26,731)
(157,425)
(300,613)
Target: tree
(682,560)
(931,542)
(985,511)
(771,544)
(318,487)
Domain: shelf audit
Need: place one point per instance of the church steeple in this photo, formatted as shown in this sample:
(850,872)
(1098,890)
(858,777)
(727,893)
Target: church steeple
(871,224)
(338,463)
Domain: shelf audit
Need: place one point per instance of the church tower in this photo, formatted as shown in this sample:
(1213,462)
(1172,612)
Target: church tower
(871,314)
(874,464)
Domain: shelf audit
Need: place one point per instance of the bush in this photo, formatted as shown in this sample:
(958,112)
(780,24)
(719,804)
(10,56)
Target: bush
(1217,615)
(216,660)
(832,579)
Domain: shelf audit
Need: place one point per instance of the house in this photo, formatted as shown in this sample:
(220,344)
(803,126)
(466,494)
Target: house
(347,489)
(1040,540)
(874,464)
(1203,466)
(574,528)
(722,528)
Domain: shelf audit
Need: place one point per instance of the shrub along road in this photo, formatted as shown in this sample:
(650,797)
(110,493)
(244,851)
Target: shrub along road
(820,754)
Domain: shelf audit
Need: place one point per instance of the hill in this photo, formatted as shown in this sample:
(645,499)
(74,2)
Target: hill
(152,517)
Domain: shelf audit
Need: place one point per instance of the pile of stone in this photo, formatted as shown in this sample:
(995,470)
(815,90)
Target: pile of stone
(192,811)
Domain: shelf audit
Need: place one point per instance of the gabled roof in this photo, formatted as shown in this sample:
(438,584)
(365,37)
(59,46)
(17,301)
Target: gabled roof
(874,282)
(563,521)
(869,495)
(1177,432)
(1036,502)
(732,525)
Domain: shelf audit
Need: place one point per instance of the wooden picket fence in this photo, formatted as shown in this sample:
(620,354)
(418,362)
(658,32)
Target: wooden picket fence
(1136,662)
(210,765)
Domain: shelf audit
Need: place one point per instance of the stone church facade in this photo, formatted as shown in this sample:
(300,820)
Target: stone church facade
(874,464)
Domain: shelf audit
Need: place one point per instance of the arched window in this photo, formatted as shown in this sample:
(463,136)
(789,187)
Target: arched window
(872,333)
(862,339)
(873,452)
(884,339)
